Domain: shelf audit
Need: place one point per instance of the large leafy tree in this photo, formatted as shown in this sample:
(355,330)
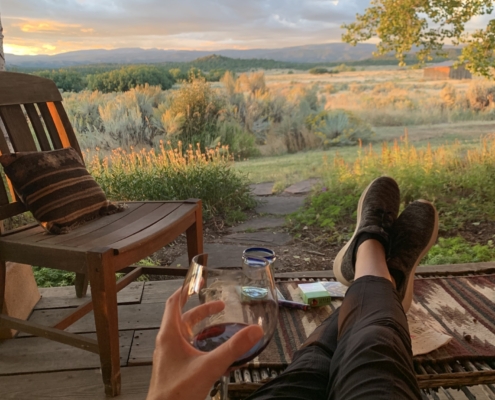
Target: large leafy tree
(424,26)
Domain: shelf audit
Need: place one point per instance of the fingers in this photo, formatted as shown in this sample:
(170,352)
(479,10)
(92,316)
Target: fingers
(197,314)
(171,314)
(225,355)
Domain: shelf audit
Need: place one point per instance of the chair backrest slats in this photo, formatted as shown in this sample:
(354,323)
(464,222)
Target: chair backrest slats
(42,102)
(50,125)
(37,126)
(4,147)
(16,88)
(17,128)
(64,125)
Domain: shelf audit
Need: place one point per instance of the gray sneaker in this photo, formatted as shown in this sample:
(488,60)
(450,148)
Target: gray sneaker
(377,211)
(413,234)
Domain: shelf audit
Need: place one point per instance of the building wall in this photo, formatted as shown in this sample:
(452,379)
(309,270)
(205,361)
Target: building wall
(444,73)
(460,73)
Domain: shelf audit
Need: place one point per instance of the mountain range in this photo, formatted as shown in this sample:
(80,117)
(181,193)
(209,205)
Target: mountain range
(328,52)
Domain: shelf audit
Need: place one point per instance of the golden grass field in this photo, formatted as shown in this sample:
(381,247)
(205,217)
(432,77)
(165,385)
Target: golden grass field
(395,84)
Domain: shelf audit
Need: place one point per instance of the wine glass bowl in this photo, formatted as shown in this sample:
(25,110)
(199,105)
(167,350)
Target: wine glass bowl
(217,302)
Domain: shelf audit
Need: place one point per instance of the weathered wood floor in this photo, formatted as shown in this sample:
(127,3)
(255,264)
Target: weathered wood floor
(35,368)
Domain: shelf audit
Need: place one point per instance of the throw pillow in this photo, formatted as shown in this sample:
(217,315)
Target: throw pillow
(57,188)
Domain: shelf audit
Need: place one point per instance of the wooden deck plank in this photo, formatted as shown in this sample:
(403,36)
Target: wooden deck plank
(160,291)
(142,348)
(65,297)
(74,385)
(133,316)
(34,354)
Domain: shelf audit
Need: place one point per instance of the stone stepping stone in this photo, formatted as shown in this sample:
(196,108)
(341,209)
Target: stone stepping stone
(229,255)
(302,187)
(259,224)
(260,238)
(279,205)
(262,189)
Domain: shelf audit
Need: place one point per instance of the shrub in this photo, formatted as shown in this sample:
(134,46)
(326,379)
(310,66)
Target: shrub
(339,127)
(241,143)
(126,78)
(193,113)
(174,174)
(251,83)
(356,88)
(448,95)
(68,80)
(480,95)
(128,120)
(344,68)
(295,135)
(318,71)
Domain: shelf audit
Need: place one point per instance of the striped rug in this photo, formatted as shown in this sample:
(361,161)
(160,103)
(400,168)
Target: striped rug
(462,307)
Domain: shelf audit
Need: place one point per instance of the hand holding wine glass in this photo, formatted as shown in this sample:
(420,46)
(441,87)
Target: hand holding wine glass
(181,372)
(217,303)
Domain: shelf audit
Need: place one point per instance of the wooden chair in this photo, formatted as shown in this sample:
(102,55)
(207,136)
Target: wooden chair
(35,120)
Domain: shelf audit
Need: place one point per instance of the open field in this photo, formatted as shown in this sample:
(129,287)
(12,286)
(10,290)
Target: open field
(287,169)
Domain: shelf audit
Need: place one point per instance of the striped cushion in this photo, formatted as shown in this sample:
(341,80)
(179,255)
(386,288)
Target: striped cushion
(56,187)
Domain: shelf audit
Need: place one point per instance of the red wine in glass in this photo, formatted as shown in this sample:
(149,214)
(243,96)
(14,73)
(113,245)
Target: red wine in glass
(213,336)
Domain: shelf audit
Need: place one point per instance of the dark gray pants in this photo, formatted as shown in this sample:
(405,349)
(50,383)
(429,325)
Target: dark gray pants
(362,351)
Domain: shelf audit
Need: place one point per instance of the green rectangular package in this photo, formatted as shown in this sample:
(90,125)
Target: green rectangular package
(315,294)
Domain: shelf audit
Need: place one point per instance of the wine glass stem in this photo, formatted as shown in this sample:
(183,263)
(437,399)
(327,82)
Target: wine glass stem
(224,386)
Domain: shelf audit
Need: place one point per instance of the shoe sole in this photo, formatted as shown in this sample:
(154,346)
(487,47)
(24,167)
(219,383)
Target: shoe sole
(337,264)
(407,301)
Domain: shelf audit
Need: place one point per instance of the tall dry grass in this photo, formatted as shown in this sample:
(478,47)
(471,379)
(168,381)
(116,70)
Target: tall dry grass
(460,182)
(174,173)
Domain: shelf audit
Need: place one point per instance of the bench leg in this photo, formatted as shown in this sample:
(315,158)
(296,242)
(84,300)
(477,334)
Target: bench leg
(194,234)
(104,297)
(81,285)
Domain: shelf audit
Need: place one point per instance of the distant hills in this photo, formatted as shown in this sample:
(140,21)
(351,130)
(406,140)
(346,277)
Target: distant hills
(318,53)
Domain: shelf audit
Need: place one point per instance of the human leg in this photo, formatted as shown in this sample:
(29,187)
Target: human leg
(307,376)
(373,359)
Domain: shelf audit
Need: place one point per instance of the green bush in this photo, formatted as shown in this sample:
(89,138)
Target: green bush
(175,174)
(241,143)
(339,127)
(47,277)
(68,80)
(456,250)
(126,78)
(318,71)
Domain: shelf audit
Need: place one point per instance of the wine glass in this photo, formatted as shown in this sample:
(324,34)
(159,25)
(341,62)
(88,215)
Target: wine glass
(248,295)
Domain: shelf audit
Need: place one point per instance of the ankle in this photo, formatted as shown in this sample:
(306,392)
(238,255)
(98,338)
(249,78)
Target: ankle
(370,260)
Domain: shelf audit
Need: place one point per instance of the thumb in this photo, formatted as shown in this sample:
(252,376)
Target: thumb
(238,345)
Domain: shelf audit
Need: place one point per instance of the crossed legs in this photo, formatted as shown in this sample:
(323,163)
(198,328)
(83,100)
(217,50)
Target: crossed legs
(362,351)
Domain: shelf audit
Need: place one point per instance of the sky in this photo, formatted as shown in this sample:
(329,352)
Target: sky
(57,26)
